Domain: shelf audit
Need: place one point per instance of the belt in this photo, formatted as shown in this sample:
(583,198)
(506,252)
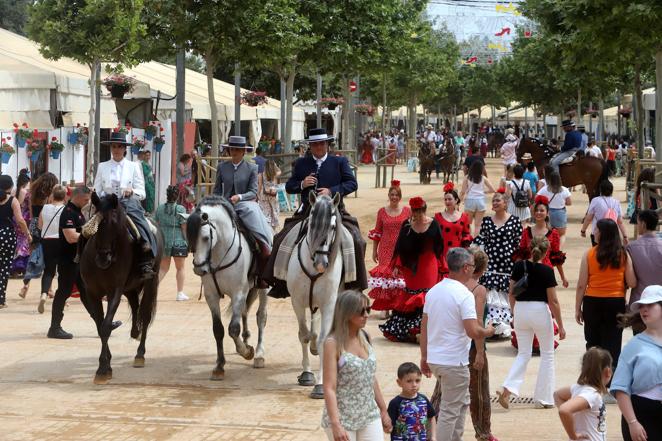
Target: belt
(558,208)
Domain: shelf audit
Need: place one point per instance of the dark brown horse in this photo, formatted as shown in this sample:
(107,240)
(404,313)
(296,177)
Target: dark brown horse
(585,170)
(447,159)
(426,163)
(494,142)
(109,267)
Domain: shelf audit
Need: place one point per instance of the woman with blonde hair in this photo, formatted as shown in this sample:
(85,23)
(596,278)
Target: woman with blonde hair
(354,407)
(268,198)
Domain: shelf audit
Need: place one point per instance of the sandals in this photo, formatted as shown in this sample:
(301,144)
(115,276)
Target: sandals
(24,291)
(503,399)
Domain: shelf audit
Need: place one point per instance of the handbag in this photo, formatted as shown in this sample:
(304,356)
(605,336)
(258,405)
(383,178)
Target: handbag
(177,250)
(522,284)
(35,232)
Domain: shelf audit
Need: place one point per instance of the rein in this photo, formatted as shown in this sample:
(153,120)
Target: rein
(313,277)
(214,269)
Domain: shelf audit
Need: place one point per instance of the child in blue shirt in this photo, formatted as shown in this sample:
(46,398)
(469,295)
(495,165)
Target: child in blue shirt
(412,414)
(532,176)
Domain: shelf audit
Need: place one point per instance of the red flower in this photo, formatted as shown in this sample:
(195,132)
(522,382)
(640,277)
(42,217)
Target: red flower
(416,203)
(16,125)
(161,129)
(448,187)
(541,199)
(501,190)
(54,138)
(395,183)
(77,124)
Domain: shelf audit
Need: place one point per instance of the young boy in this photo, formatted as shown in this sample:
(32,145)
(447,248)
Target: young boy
(532,176)
(412,414)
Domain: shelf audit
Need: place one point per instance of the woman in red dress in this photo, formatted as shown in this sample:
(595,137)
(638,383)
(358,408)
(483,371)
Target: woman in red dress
(455,225)
(417,256)
(382,282)
(366,154)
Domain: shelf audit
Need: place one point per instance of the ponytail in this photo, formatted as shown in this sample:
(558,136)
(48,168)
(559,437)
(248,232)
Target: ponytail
(539,246)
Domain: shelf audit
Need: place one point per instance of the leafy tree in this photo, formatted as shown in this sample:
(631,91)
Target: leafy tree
(14,15)
(90,32)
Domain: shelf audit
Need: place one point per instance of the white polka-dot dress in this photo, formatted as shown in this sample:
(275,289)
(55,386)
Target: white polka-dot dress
(7,246)
(500,245)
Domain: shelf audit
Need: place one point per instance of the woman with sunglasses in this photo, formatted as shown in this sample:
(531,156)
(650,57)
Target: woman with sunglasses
(354,407)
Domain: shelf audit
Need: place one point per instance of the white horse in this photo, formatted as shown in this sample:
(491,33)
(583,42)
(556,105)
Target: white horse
(222,258)
(314,281)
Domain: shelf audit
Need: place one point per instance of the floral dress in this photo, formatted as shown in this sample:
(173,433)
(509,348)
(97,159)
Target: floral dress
(454,234)
(418,258)
(500,244)
(22,253)
(384,286)
(269,203)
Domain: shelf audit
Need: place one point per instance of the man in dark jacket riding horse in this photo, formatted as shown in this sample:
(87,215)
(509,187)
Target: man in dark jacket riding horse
(326,175)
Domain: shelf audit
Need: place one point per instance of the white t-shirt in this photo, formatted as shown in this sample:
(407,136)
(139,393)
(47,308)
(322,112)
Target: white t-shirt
(592,421)
(557,201)
(51,212)
(447,304)
(594,151)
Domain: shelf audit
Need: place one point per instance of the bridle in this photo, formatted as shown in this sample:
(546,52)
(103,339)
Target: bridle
(214,269)
(313,277)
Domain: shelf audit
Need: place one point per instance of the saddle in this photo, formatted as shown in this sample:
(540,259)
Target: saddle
(252,244)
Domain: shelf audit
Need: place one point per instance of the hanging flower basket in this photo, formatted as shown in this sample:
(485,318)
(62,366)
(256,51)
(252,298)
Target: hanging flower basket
(34,150)
(331,102)
(159,142)
(151,130)
(72,138)
(137,145)
(23,133)
(364,109)
(6,149)
(254,98)
(119,84)
(55,147)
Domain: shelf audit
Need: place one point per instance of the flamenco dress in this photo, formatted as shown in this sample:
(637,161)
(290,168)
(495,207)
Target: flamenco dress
(418,258)
(553,257)
(454,234)
(384,285)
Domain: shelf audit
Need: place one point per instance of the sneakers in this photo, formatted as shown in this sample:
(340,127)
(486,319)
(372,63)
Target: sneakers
(541,405)
(181,297)
(42,302)
(23,292)
(59,333)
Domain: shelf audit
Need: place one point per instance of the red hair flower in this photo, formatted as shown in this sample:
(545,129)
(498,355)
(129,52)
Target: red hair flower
(501,190)
(416,203)
(448,187)
(395,183)
(54,138)
(541,199)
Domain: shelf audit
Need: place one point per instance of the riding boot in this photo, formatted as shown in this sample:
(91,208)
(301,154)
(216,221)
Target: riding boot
(146,262)
(262,260)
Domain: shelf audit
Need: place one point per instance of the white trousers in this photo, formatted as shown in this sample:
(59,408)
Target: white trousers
(372,432)
(533,318)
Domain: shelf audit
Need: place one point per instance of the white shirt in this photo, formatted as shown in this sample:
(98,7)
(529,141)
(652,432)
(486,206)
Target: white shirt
(50,218)
(321,160)
(557,201)
(592,421)
(594,151)
(447,305)
(116,169)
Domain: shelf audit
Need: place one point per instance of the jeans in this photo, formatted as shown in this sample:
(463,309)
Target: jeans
(454,381)
(51,249)
(560,157)
(371,432)
(533,318)
(601,325)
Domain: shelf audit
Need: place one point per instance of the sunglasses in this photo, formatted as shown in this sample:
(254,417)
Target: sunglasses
(366,310)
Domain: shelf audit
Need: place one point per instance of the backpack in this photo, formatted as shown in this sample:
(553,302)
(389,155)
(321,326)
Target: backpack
(611,213)
(520,196)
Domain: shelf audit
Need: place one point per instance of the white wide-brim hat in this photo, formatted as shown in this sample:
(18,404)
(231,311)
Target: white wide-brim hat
(651,294)
(317,135)
(237,142)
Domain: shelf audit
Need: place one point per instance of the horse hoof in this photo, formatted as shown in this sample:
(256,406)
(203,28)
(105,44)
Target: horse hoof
(318,392)
(250,354)
(313,350)
(139,362)
(306,379)
(101,379)
(217,375)
(258,363)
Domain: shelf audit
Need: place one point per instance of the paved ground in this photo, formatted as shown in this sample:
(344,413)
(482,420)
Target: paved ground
(47,389)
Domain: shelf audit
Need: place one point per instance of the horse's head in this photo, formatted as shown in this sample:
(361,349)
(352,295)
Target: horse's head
(112,225)
(203,226)
(322,227)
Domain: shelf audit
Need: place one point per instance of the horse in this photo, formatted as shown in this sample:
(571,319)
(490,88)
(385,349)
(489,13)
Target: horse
(222,257)
(494,142)
(447,159)
(585,170)
(108,267)
(314,280)
(426,163)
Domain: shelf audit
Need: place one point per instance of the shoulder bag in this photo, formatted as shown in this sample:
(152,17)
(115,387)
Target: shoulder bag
(522,284)
(177,250)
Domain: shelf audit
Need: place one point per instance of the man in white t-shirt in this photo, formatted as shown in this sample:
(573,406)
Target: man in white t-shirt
(594,150)
(449,323)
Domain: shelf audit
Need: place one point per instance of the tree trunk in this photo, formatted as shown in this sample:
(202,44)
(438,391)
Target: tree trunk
(346,109)
(94,78)
(412,123)
(211,66)
(180,106)
(384,109)
(287,147)
(601,126)
(319,99)
(658,106)
(283,111)
(237,100)
(639,109)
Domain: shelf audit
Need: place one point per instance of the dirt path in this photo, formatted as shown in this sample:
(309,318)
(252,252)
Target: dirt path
(47,389)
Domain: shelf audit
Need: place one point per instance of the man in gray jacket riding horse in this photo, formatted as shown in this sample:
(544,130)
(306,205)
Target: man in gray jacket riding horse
(236,181)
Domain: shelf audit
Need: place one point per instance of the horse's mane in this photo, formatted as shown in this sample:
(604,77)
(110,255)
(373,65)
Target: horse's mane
(320,220)
(194,221)
(110,203)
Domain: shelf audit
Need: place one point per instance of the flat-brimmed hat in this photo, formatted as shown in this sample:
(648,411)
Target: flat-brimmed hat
(651,294)
(117,138)
(527,155)
(567,123)
(317,135)
(237,142)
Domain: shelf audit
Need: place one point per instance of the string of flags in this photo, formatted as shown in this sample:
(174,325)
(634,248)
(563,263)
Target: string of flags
(510,9)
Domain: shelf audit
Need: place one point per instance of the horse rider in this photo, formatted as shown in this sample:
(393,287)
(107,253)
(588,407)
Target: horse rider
(326,175)
(582,129)
(571,144)
(429,136)
(236,181)
(125,179)
(509,149)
